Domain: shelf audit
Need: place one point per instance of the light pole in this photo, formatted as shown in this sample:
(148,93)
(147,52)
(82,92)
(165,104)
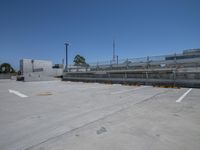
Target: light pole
(66,66)
(113,50)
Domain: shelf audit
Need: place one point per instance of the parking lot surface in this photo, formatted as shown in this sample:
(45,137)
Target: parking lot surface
(58,115)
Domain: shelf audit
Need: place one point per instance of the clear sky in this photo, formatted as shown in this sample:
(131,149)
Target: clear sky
(38,28)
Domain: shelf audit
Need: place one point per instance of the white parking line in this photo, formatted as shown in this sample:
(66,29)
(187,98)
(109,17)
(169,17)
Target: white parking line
(183,96)
(124,91)
(17,93)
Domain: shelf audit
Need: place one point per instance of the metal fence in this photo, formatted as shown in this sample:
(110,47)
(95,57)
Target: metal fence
(170,70)
(150,62)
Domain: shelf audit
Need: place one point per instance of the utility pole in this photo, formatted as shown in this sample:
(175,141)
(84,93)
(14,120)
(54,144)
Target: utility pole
(63,63)
(113,50)
(66,66)
(32,63)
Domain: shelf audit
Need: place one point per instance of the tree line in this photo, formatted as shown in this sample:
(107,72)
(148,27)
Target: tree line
(78,61)
(6,68)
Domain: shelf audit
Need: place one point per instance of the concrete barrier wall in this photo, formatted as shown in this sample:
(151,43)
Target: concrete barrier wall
(37,77)
(185,78)
(5,76)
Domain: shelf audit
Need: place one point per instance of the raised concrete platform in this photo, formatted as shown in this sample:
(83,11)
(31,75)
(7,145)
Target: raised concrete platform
(57,115)
(37,76)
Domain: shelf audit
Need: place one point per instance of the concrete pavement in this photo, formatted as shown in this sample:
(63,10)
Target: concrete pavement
(58,115)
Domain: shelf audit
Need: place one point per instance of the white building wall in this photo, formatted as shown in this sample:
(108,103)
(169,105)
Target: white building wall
(43,67)
(29,65)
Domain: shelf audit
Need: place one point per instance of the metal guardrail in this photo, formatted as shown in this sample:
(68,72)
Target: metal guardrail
(174,70)
(150,62)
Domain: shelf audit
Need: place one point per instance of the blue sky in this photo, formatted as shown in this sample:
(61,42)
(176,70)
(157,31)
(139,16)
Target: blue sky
(38,28)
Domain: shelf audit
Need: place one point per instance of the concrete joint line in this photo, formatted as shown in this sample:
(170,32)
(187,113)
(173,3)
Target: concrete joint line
(125,91)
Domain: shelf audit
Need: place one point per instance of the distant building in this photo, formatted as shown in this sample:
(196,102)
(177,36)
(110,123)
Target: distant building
(30,65)
(190,53)
(39,69)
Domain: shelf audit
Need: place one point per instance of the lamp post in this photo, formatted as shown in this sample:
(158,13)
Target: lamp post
(66,66)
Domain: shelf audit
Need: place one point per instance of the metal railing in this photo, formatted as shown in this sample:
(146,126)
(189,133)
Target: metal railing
(173,61)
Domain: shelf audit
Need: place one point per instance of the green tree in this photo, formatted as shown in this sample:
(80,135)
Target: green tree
(6,68)
(79,61)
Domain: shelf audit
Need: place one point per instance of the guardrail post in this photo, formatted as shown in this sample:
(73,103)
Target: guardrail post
(175,69)
(147,69)
(147,62)
(127,63)
(125,75)
(97,66)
